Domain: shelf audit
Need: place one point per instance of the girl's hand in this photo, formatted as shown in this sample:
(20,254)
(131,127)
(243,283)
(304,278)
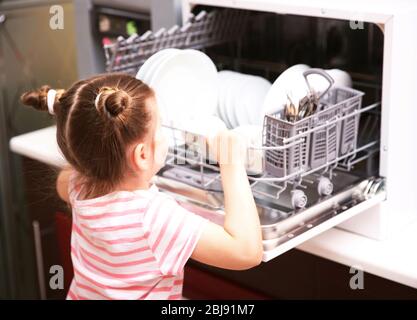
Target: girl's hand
(227,148)
(238,244)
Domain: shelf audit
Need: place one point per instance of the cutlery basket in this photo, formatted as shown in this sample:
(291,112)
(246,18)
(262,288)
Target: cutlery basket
(324,141)
(349,100)
(316,140)
(284,162)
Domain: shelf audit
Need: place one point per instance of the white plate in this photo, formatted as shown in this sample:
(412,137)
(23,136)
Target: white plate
(241,98)
(291,80)
(240,107)
(151,62)
(186,86)
(168,53)
(145,73)
(225,77)
(341,79)
(230,102)
(253,96)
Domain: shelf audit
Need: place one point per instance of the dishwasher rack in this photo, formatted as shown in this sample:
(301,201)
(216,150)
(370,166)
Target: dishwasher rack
(201,31)
(188,154)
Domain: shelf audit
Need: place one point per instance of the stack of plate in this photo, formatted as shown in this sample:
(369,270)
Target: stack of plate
(185,84)
(241,98)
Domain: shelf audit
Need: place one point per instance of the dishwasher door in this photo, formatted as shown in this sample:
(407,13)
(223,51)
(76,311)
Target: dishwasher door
(283,228)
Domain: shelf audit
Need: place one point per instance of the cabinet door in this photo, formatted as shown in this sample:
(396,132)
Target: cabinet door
(199,284)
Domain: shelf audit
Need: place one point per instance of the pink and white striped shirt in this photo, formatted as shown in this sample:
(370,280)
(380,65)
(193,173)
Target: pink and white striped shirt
(130,244)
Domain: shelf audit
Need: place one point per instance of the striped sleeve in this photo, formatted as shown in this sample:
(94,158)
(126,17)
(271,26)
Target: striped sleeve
(173,233)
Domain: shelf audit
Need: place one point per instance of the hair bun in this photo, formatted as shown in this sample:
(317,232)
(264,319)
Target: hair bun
(115,101)
(36,98)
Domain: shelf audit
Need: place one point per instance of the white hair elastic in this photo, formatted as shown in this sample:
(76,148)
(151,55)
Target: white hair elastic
(96,101)
(50,98)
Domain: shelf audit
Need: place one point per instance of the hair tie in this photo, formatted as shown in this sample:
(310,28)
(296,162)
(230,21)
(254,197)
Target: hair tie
(96,101)
(51,100)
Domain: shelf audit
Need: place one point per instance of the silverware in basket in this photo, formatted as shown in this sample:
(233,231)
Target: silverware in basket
(308,105)
(291,110)
(311,102)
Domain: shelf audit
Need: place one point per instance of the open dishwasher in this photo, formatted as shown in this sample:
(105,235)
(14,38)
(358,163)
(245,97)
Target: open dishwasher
(317,172)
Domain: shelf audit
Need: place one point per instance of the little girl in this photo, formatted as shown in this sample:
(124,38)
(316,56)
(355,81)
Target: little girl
(129,240)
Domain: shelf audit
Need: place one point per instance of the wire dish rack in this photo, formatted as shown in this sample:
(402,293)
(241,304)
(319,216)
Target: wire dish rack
(188,153)
(202,31)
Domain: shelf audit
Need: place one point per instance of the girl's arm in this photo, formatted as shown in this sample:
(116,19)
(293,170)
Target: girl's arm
(238,244)
(62,183)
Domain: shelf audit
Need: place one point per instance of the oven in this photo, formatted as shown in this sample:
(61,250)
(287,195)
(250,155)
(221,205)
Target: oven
(366,185)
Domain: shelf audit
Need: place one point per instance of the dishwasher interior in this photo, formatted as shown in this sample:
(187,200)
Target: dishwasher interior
(266,44)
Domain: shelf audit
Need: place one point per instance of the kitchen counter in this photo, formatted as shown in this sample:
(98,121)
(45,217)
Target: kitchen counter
(393,259)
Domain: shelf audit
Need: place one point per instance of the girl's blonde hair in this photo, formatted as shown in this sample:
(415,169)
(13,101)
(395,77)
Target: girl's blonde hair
(94,134)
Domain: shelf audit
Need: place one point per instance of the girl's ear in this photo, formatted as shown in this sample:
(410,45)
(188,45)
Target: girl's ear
(141,157)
